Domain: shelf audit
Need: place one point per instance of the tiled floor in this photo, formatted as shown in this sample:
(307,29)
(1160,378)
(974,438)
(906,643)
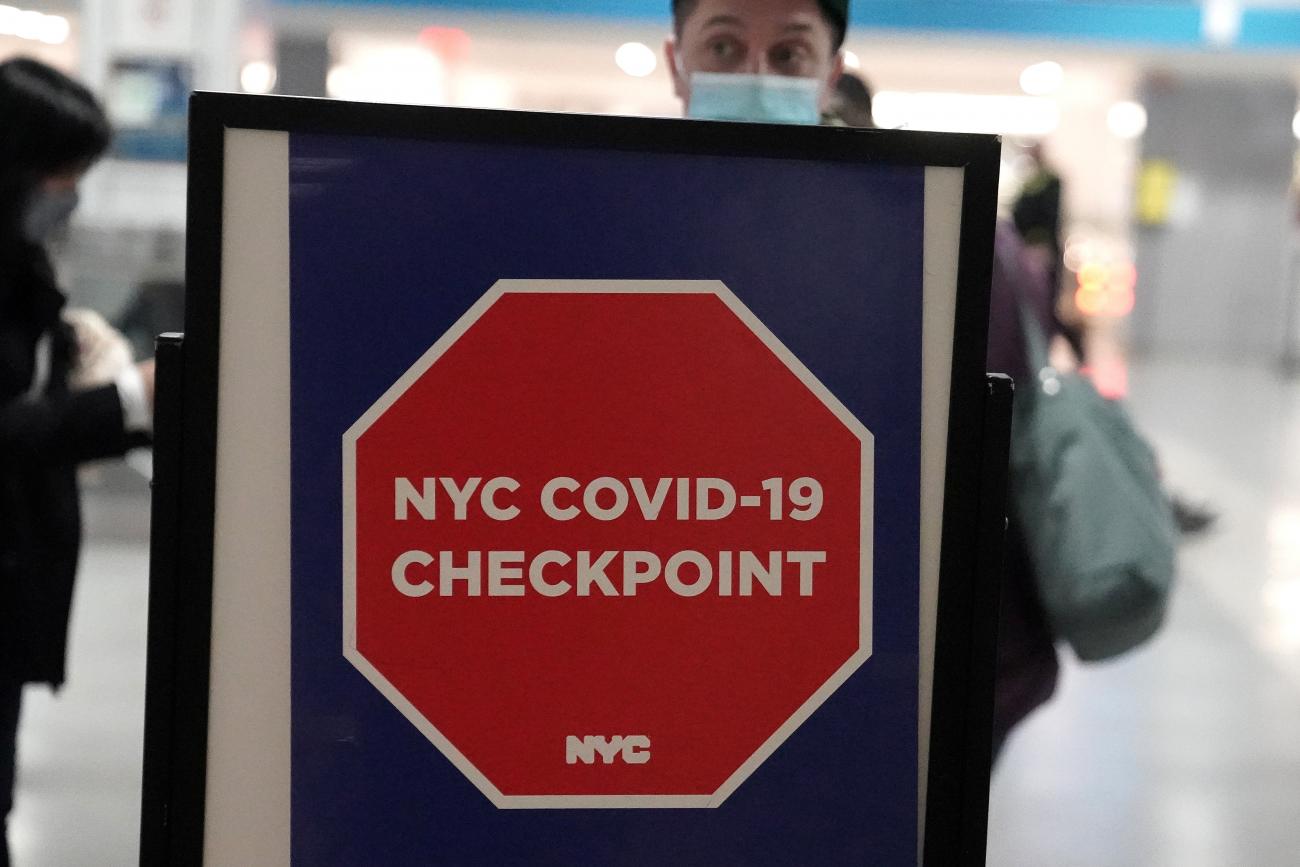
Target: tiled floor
(1185,754)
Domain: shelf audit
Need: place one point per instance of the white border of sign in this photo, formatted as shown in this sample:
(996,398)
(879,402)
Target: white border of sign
(456,332)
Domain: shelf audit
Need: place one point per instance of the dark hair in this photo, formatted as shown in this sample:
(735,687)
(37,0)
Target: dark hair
(853,100)
(48,122)
(832,11)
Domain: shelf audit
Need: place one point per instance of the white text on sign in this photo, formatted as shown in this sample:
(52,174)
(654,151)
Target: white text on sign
(605,498)
(555,573)
(551,573)
(632,749)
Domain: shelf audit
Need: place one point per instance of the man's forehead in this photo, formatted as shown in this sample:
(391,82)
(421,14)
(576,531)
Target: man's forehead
(745,14)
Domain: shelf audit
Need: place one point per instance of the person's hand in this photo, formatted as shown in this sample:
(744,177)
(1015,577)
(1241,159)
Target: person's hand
(102,352)
(146,369)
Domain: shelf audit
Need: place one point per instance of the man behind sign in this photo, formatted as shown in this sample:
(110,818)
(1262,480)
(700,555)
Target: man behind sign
(760,60)
(778,61)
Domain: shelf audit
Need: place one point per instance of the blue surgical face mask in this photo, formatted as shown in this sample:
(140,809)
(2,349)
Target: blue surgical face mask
(46,212)
(763,98)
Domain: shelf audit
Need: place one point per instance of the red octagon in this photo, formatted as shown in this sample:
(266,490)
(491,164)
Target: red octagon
(578,633)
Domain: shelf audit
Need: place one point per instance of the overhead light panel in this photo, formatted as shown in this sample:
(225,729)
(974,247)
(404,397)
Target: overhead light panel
(1221,22)
(636,59)
(1031,116)
(1042,79)
(1127,120)
(34,26)
(257,77)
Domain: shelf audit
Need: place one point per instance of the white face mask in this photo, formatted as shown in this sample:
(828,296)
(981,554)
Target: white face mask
(46,213)
(763,98)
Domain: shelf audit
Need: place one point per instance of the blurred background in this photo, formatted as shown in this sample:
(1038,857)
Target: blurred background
(1172,127)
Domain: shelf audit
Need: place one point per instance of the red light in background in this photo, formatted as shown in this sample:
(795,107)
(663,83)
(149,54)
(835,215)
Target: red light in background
(1125,273)
(1106,289)
(1109,376)
(1093,273)
(1121,302)
(1123,282)
(449,43)
(1088,298)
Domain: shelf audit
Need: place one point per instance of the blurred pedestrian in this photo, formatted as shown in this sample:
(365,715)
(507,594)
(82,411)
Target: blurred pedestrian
(1027,667)
(1037,213)
(779,61)
(68,391)
(1037,216)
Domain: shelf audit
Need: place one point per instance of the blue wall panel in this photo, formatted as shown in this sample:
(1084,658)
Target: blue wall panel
(1176,23)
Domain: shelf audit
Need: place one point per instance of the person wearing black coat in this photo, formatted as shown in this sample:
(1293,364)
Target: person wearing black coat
(51,131)
(1027,666)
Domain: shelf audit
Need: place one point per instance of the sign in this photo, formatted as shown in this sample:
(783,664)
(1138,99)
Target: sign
(373,289)
(147,104)
(598,567)
(573,490)
(160,28)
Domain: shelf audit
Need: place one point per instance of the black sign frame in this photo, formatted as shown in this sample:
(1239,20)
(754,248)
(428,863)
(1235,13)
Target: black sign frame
(175,761)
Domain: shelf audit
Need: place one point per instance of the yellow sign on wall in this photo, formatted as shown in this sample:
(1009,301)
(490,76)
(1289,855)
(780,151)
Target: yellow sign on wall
(1156,184)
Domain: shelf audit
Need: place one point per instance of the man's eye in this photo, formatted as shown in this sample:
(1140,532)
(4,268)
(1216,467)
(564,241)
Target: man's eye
(724,49)
(789,55)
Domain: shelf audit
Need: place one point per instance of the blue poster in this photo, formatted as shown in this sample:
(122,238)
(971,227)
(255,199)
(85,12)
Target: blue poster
(576,431)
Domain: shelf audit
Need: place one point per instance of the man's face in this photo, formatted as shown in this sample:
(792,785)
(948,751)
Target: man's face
(761,37)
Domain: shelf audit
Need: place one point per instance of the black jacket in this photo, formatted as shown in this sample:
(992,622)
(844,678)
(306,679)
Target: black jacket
(43,437)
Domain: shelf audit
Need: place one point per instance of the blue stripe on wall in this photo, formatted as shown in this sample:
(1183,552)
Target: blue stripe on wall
(641,10)
(1176,23)
(1270,29)
(1163,24)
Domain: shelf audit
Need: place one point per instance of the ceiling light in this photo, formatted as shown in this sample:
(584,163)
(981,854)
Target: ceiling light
(257,77)
(30,24)
(1221,22)
(33,25)
(1042,79)
(55,30)
(636,59)
(341,83)
(1031,116)
(1127,120)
